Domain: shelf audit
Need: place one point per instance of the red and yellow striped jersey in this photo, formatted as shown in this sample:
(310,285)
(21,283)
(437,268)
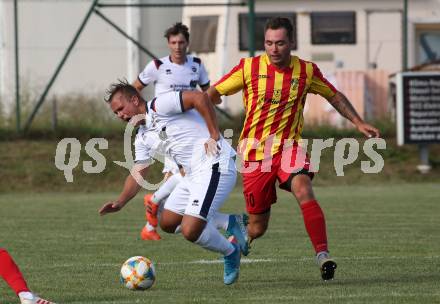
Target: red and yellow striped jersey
(273,100)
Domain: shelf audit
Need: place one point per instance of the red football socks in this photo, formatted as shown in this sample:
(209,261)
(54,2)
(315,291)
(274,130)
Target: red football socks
(315,224)
(10,272)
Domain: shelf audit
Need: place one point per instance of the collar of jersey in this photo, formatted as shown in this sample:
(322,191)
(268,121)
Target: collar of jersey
(267,61)
(151,105)
(146,106)
(186,59)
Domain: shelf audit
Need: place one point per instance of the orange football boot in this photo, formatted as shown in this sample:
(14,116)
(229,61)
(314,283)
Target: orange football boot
(149,235)
(151,212)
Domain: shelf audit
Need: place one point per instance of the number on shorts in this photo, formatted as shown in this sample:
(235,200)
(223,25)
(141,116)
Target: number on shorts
(250,201)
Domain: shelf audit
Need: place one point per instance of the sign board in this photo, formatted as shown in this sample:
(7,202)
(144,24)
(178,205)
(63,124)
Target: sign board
(418,108)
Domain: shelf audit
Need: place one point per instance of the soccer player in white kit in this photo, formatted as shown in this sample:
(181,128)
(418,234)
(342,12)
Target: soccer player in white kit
(186,129)
(176,72)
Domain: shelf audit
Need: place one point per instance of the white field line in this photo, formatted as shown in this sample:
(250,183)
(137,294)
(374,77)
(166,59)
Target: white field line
(243,261)
(251,261)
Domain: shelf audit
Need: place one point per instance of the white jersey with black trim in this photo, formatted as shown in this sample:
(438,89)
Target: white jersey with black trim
(168,76)
(147,143)
(180,134)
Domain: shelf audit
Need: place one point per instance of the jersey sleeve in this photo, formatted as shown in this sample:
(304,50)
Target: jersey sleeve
(203,76)
(232,82)
(143,149)
(149,74)
(168,103)
(170,165)
(320,85)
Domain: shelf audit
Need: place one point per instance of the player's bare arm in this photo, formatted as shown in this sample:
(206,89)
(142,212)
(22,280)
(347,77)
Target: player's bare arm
(200,102)
(346,109)
(131,188)
(214,95)
(205,87)
(138,85)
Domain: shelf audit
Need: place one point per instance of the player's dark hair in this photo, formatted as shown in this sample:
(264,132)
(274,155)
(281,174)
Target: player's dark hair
(121,86)
(176,29)
(280,22)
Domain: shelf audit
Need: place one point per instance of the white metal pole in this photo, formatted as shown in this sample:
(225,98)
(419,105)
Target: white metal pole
(3,58)
(224,51)
(133,23)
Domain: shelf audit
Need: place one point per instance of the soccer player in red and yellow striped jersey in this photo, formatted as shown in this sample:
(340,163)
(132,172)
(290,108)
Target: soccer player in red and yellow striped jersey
(274,87)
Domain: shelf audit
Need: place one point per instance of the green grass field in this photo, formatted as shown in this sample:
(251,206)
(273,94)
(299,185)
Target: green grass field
(386,240)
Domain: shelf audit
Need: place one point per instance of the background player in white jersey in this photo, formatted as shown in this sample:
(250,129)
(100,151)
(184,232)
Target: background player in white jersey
(175,72)
(193,140)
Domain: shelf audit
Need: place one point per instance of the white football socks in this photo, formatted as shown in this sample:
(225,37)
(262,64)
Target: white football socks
(213,240)
(150,227)
(26,295)
(220,220)
(166,188)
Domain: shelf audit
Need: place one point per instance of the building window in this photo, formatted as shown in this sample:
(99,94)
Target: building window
(333,27)
(203,34)
(260,22)
(428,44)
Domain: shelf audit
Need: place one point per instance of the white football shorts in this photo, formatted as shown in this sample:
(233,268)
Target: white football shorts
(170,166)
(202,193)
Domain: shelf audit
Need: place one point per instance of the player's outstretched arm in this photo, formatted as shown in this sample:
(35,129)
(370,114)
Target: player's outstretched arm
(138,85)
(346,109)
(214,95)
(205,87)
(200,102)
(131,188)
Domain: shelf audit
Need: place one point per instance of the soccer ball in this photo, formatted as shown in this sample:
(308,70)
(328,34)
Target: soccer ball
(137,273)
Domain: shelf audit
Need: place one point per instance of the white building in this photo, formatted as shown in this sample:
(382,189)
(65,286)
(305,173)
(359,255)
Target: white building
(339,35)
(353,35)
(100,56)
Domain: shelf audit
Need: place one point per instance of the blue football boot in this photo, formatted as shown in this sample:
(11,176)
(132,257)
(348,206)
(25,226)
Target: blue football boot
(238,228)
(232,266)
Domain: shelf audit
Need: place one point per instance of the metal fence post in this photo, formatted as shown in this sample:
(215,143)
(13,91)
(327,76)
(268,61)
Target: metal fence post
(60,65)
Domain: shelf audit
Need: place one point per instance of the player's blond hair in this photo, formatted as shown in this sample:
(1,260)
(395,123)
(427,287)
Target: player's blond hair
(123,87)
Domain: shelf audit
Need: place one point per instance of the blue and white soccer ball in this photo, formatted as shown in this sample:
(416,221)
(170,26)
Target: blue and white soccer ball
(137,273)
